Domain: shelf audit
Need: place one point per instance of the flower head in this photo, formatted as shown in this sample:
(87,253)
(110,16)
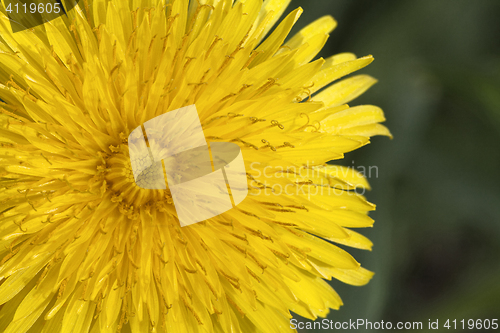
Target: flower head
(85,248)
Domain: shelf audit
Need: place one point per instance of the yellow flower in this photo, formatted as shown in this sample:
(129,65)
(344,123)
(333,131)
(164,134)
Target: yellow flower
(86,249)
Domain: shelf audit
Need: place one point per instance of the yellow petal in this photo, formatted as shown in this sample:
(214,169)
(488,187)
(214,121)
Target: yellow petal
(322,250)
(309,50)
(336,71)
(33,305)
(351,176)
(321,26)
(368,130)
(345,91)
(355,277)
(269,47)
(338,58)
(64,44)
(354,240)
(21,278)
(354,116)
(270,13)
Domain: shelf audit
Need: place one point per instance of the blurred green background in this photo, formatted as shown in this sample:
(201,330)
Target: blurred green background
(436,238)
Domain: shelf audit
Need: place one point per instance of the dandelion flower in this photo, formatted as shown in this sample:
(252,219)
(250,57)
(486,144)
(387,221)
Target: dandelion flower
(85,249)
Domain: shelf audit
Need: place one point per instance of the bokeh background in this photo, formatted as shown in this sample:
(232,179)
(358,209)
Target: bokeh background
(436,238)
